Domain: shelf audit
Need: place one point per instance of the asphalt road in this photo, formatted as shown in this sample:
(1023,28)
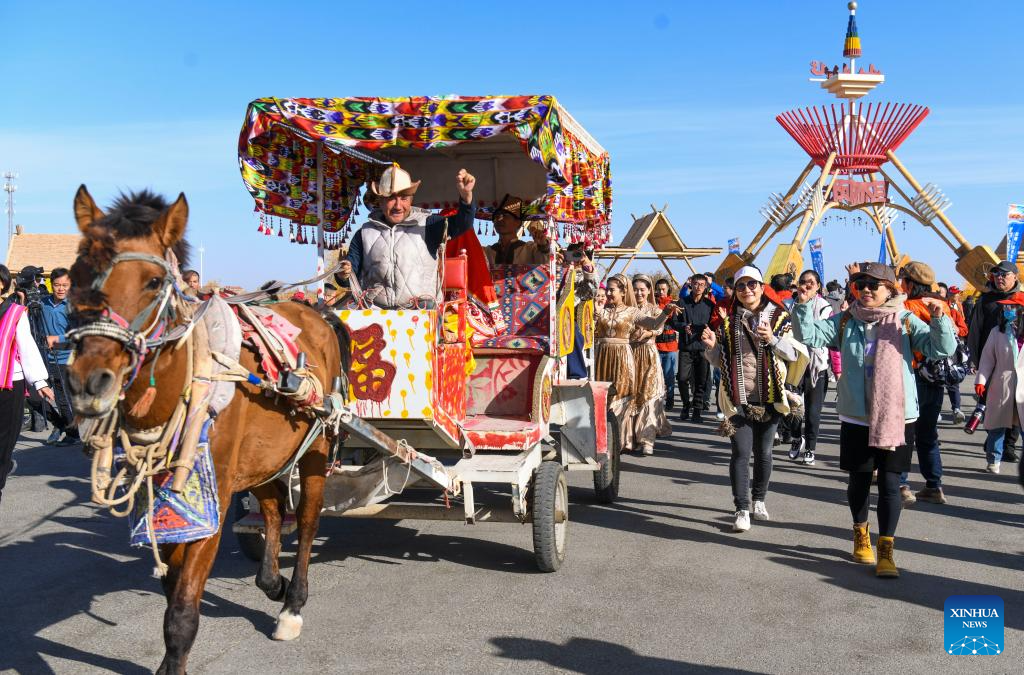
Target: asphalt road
(656,583)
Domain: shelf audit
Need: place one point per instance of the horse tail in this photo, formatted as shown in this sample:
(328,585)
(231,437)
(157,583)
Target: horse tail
(344,346)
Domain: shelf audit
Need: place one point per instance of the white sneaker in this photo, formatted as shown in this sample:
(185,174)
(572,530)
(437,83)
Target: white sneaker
(720,416)
(797,448)
(760,511)
(958,416)
(808,458)
(994,467)
(742,523)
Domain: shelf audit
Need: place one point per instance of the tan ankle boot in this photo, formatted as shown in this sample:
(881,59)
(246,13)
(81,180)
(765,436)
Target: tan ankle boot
(862,551)
(886,566)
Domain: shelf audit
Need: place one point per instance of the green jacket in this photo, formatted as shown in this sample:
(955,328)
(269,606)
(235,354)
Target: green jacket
(935,341)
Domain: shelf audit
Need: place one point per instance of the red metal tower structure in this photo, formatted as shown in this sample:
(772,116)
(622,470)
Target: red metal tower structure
(850,143)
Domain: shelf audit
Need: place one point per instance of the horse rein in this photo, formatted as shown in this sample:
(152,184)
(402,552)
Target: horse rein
(131,335)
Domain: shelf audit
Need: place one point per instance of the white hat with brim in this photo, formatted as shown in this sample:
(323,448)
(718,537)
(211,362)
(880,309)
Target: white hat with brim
(750,272)
(395,181)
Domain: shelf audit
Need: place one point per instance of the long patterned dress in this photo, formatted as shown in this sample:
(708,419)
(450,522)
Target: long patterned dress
(647,419)
(614,361)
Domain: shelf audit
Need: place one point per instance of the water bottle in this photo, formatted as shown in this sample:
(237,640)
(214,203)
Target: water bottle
(976,417)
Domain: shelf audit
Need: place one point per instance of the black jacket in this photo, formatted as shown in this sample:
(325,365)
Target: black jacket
(695,316)
(984,318)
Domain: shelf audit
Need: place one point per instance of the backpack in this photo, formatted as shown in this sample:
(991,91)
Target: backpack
(949,371)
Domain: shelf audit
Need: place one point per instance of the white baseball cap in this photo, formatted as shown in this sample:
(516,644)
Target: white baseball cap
(748,271)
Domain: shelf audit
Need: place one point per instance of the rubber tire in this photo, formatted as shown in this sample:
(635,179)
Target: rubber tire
(251,545)
(550,491)
(606,479)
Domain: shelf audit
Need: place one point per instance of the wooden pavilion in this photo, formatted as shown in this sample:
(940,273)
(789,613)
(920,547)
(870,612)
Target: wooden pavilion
(655,230)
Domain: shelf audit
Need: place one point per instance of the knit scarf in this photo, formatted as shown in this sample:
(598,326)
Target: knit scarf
(886,399)
(9,343)
(770,385)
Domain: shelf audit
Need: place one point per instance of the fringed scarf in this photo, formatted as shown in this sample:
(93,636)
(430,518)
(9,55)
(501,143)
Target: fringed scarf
(886,398)
(9,343)
(770,382)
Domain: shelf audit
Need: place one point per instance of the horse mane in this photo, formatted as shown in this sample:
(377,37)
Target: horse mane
(131,216)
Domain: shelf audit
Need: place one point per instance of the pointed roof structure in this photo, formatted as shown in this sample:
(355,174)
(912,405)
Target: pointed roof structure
(42,250)
(657,231)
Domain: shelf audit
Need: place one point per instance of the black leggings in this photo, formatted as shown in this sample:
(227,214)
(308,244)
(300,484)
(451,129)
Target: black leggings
(12,406)
(858,494)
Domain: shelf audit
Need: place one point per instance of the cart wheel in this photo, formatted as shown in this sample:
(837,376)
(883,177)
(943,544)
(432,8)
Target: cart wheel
(252,545)
(606,479)
(550,510)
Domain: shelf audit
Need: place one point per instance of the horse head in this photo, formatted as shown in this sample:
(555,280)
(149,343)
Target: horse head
(124,292)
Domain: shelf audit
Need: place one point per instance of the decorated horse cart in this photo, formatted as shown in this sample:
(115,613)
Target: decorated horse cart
(433,401)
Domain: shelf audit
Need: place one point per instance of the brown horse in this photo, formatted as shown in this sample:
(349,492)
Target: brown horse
(252,439)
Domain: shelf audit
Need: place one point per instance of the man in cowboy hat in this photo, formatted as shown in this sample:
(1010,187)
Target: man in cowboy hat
(393,256)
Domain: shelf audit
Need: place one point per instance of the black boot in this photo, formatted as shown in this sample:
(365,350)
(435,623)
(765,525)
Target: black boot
(696,417)
(684,413)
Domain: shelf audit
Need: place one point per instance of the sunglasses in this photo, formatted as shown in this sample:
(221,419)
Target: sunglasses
(867,284)
(1000,273)
(748,285)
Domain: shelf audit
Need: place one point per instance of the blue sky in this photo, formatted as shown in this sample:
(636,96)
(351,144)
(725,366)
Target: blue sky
(124,95)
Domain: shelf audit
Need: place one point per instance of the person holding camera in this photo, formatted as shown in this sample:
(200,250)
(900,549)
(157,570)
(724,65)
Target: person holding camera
(21,366)
(56,315)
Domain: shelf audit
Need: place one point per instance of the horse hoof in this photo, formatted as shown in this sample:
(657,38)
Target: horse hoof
(288,626)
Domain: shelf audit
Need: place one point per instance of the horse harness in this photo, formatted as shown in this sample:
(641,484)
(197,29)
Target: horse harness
(172,446)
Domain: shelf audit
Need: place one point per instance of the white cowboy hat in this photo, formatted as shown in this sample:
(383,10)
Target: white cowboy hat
(394,181)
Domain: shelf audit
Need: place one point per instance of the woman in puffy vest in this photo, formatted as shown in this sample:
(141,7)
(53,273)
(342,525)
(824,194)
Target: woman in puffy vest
(753,345)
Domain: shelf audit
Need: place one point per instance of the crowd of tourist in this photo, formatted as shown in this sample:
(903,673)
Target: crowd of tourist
(895,344)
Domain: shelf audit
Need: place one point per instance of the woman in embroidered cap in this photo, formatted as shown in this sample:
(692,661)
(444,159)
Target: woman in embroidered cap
(614,361)
(647,418)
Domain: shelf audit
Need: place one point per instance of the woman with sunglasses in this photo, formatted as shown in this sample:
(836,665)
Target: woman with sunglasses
(815,382)
(753,346)
(877,395)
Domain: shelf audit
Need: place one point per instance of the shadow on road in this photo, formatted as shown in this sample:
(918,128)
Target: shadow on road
(595,657)
(392,543)
(59,575)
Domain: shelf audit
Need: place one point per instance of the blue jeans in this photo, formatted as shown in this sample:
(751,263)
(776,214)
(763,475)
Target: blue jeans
(954,396)
(994,445)
(669,360)
(929,460)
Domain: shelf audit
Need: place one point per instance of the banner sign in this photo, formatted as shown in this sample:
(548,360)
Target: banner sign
(817,260)
(1014,230)
(883,253)
(734,245)
(857,192)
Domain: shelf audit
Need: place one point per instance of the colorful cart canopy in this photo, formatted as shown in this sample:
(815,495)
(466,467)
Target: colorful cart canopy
(528,146)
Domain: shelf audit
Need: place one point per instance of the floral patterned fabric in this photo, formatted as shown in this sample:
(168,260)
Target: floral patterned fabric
(277,150)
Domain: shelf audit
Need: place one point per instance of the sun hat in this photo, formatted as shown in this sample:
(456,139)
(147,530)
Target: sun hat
(875,270)
(395,181)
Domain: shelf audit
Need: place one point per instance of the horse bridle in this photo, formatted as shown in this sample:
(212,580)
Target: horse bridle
(131,335)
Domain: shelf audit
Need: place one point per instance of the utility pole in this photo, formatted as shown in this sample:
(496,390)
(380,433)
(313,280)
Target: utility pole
(202,250)
(10,187)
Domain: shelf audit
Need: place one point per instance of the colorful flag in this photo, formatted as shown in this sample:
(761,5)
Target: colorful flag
(817,260)
(1014,230)
(883,253)
(734,245)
